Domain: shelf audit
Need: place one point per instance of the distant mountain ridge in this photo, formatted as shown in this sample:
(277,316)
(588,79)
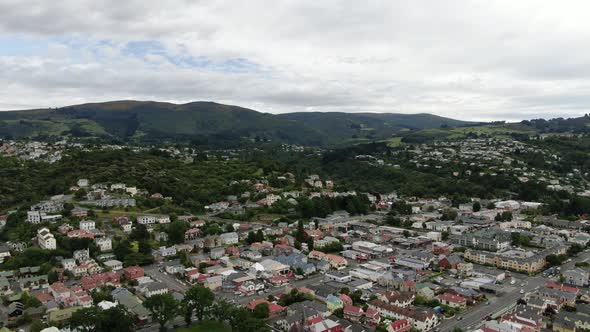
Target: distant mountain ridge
(210,123)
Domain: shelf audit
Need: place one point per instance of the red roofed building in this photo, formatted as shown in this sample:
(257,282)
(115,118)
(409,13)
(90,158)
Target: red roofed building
(314,254)
(192,234)
(563,288)
(325,325)
(282,240)
(353,313)
(400,299)
(133,272)
(101,279)
(408,286)
(274,309)
(346,299)
(316,234)
(43,297)
(337,262)
(452,300)
(401,325)
(80,234)
(372,317)
(278,280)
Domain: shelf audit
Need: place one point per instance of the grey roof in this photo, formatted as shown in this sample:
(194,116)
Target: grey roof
(130,301)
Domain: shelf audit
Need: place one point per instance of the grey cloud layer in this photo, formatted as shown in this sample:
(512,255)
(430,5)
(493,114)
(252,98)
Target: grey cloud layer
(473,60)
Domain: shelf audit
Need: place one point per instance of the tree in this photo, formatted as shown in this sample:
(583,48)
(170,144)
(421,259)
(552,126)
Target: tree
(85,319)
(222,311)
(37,326)
(575,249)
(140,232)
(176,232)
(122,250)
(310,244)
(449,214)
(163,308)
(476,206)
(251,237)
(197,300)
(261,311)
(402,207)
(444,235)
(95,319)
(52,277)
(259,236)
(300,235)
(144,248)
(30,301)
(116,319)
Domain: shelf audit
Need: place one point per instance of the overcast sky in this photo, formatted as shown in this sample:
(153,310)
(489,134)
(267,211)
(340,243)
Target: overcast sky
(472,60)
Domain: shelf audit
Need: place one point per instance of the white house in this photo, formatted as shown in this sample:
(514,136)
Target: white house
(153,288)
(163,219)
(229,238)
(37,217)
(165,252)
(126,226)
(34,217)
(68,263)
(83,183)
(87,225)
(146,220)
(81,255)
(45,239)
(104,243)
(118,186)
(114,264)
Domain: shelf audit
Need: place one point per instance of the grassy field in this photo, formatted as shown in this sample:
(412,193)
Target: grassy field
(491,130)
(394,142)
(503,130)
(207,326)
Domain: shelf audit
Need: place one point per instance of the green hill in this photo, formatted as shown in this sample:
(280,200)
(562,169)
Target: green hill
(209,123)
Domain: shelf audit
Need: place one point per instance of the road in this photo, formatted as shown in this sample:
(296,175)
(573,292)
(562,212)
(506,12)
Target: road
(472,319)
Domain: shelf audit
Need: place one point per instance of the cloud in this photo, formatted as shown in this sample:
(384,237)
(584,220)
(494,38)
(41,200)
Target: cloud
(471,60)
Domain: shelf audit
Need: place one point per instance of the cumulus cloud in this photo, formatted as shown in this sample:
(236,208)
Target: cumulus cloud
(471,60)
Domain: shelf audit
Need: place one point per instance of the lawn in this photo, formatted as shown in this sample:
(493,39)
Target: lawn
(207,326)
(394,142)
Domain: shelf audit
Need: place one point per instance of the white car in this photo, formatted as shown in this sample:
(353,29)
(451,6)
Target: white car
(522,291)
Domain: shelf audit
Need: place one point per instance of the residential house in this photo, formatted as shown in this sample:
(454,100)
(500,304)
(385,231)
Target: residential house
(87,225)
(229,238)
(576,277)
(153,288)
(214,282)
(46,240)
(125,298)
(133,272)
(401,325)
(79,212)
(104,243)
(114,265)
(275,310)
(81,255)
(452,300)
(192,234)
